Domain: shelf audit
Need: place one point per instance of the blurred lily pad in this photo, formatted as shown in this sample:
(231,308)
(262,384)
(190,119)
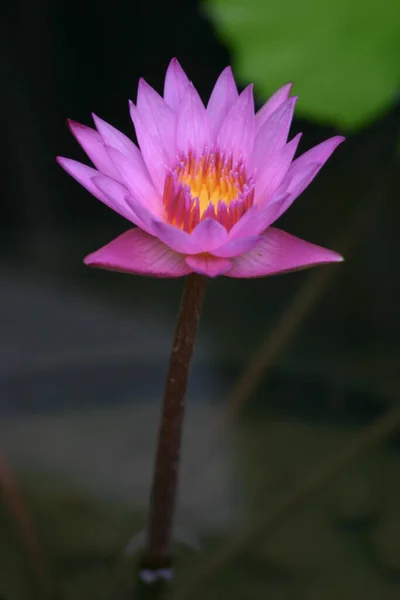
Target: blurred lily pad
(342,56)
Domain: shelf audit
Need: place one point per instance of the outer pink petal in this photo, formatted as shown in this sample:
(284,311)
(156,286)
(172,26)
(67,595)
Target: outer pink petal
(236,247)
(132,173)
(152,148)
(236,134)
(273,134)
(114,138)
(137,252)
(118,195)
(208,265)
(85,175)
(93,145)
(272,104)
(208,235)
(222,98)
(176,82)
(280,252)
(193,127)
(270,177)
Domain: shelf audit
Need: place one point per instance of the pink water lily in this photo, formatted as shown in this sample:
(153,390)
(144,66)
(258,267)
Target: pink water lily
(206,184)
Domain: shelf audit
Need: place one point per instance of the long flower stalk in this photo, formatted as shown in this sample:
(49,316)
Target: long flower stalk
(158,548)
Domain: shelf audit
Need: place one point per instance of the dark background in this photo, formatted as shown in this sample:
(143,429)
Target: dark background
(74,339)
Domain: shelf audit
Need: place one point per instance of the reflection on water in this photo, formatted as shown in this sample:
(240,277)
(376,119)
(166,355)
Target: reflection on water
(79,411)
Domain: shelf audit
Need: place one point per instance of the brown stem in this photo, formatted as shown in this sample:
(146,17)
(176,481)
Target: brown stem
(158,549)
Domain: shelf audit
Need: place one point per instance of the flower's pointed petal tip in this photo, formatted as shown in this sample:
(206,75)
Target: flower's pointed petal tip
(132,107)
(144,92)
(73,124)
(175,84)
(338,139)
(65,163)
(287,88)
(286,106)
(90,260)
(98,120)
(296,138)
(143,86)
(323,256)
(248,93)
(174,62)
(227,71)
(78,129)
(337,257)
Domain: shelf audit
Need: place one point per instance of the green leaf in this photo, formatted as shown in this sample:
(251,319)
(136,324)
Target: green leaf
(343,56)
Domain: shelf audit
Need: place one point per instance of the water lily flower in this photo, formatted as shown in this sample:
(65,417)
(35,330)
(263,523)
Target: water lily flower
(205,184)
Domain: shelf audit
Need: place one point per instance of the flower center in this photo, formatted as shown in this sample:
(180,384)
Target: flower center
(209,187)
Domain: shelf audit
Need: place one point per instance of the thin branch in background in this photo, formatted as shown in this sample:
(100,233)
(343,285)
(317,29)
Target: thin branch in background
(296,312)
(16,506)
(369,437)
(281,335)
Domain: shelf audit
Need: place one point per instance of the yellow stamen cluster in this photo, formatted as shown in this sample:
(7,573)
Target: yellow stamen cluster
(211,179)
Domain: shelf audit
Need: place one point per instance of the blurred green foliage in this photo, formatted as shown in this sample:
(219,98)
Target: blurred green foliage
(344,57)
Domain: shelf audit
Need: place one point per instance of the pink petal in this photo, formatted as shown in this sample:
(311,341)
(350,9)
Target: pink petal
(93,145)
(272,104)
(193,127)
(280,252)
(258,218)
(292,188)
(303,171)
(175,238)
(176,82)
(208,265)
(153,151)
(271,176)
(157,116)
(236,134)
(137,252)
(273,134)
(236,247)
(114,138)
(222,98)
(208,235)
(85,175)
(296,182)
(118,196)
(133,174)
